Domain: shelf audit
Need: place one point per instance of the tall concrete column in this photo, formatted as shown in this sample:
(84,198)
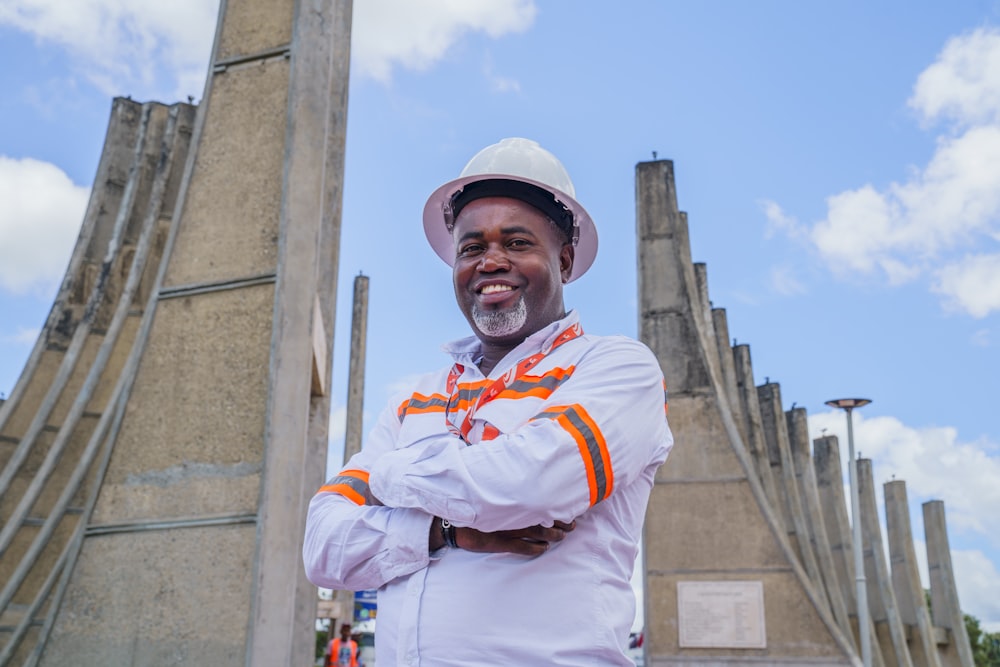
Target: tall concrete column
(356,373)
(830,486)
(805,473)
(783,469)
(756,444)
(906,578)
(945,607)
(881,597)
(728,366)
(709,520)
(220,441)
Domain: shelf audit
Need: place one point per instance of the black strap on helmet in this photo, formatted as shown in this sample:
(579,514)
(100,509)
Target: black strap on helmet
(538,197)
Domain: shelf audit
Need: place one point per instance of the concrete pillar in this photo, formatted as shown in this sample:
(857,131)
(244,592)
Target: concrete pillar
(754,429)
(906,578)
(783,470)
(945,607)
(830,485)
(805,473)
(708,518)
(45,504)
(728,366)
(220,440)
(91,246)
(356,373)
(881,598)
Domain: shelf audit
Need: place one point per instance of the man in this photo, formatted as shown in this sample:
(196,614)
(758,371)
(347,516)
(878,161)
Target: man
(343,651)
(497,506)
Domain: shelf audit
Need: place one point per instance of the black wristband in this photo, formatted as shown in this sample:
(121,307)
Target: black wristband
(448,532)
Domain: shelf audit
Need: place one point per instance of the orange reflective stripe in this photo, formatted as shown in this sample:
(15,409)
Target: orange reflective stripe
(593,448)
(539,386)
(490,432)
(352,484)
(420,404)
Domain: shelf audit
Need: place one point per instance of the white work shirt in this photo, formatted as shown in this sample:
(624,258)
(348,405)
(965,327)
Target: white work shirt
(577,436)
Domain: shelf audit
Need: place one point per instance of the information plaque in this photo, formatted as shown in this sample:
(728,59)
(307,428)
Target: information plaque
(721,614)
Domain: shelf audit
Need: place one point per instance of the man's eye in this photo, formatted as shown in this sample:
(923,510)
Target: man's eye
(518,243)
(471,249)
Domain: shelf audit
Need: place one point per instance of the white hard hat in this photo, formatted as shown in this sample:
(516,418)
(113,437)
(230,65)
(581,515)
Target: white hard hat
(506,163)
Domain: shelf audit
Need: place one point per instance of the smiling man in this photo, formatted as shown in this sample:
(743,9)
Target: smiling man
(497,505)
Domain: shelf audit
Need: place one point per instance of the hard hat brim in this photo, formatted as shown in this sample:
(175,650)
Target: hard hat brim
(440,238)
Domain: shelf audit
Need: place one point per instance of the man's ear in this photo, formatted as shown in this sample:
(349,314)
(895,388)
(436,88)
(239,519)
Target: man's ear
(566,257)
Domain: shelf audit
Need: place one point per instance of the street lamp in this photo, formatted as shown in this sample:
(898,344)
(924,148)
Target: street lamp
(849,404)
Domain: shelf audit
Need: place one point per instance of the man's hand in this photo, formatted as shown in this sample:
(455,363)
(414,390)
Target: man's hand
(531,541)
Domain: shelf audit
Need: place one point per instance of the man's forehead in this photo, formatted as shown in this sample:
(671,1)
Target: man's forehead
(512,215)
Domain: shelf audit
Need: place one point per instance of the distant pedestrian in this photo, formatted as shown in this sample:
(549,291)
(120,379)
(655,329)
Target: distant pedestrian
(343,651)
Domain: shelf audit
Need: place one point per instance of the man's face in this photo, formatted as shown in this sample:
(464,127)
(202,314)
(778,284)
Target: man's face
(510,266)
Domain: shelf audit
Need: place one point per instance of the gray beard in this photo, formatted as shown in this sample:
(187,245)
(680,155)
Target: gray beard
(501,323)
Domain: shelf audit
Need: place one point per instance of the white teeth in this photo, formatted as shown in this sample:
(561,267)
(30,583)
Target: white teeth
(492,289)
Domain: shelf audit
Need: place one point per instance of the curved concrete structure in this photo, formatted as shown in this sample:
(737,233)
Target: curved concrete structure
(159,449)
(742,504)
(710,520)
(59,424)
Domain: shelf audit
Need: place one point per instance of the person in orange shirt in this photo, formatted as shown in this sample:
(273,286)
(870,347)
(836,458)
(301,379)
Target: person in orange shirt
(343,651)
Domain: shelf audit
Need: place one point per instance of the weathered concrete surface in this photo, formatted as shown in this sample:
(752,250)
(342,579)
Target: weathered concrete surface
(48,476)
(139,597)
(906,578)
(356,372)
(881,597)
(203,443)
(805,475)
(829,483)
(709,518)
(754,428)
(783,469)
(200,451)
(945,608)
(67,308)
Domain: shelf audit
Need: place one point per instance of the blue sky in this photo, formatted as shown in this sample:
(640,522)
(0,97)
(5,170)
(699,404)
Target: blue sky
(839,164)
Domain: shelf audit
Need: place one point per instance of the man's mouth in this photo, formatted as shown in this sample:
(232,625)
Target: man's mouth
(493,289)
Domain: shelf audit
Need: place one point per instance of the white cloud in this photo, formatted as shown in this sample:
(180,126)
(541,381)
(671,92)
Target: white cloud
(933,224)
(785,282)
(24,336)
(933,462)
(124,47)
(978,587)
(39,222)
(415,34)
(964,83)
(954,202)
(981,338)
(778,221)
(161,50)
(972,285)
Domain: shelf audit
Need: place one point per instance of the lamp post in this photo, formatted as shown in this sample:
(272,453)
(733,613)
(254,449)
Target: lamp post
(848,404)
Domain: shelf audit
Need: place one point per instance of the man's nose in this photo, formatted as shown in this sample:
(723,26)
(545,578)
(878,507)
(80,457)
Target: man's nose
(493,259)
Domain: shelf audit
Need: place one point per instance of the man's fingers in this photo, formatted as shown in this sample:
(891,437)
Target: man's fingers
(531,541)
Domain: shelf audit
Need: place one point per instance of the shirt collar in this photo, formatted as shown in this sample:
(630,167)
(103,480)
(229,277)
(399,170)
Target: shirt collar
(468,350)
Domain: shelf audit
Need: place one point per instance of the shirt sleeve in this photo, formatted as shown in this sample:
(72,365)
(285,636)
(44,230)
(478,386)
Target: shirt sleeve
(596,432)
(351,541)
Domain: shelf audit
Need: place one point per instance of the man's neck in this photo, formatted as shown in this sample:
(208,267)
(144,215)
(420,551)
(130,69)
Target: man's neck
(493,353)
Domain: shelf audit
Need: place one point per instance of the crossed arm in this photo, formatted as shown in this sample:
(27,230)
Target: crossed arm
(517,493)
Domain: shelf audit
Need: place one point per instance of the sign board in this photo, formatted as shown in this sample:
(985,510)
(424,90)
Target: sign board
(721,614)
(340,607)
(365,607)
